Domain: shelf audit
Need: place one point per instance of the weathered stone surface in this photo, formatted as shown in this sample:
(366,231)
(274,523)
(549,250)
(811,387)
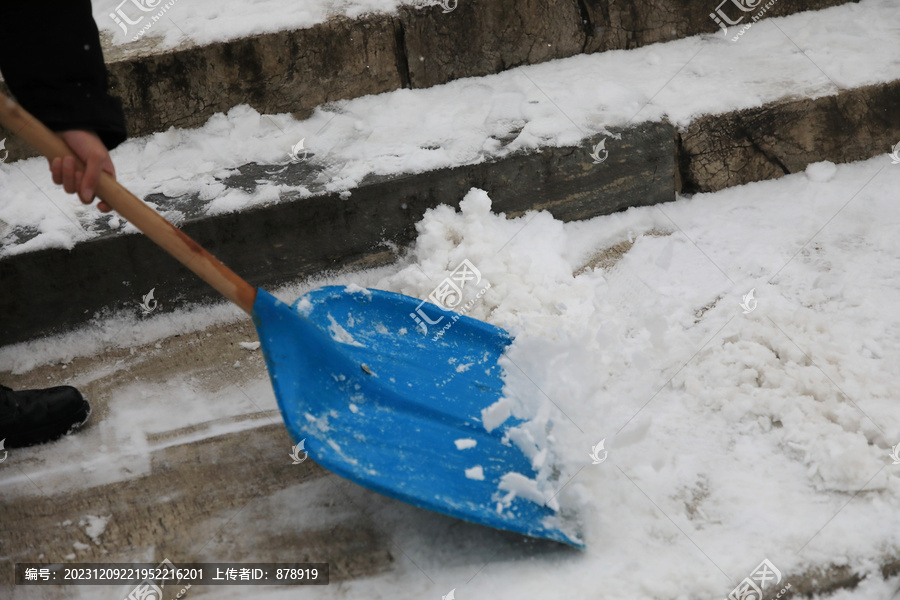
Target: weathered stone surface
(288,71)
(615,25)
(480,37)
(301,237)
(720,151)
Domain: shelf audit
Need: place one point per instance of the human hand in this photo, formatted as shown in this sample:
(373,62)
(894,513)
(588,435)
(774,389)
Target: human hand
(90,149)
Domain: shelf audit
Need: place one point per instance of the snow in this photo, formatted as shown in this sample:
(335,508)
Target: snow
(756,427)
(94,526)
(495,414)
(250,345)
(476,472)
(520,485)
(472,120)
(339,334)
(465,443)
(355,289)
(207,21)
(120,330)
(821,171)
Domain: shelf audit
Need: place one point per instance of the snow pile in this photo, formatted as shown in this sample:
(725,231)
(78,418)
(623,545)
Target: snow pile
(756,427)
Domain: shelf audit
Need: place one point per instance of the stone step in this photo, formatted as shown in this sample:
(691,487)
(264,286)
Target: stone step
(342,58)
(303,236)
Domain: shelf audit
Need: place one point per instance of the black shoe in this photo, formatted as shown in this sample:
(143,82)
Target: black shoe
(36,416)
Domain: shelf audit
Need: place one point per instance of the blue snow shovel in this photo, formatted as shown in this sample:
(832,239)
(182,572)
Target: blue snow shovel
(368,390)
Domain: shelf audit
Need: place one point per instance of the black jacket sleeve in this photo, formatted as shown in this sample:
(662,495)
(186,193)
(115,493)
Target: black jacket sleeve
(51,59)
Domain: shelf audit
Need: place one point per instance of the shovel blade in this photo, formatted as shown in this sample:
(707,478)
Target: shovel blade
(395,406)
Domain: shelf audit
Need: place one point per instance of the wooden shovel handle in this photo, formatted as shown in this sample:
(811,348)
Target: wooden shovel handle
(164,234)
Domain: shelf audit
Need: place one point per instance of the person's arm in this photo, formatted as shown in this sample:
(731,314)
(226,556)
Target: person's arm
(51,59)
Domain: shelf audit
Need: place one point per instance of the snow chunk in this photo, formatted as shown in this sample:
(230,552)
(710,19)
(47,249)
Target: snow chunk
(355,289)
(250,345)
(94,526)
(339,334)
(476,204)
(494,415)
(476,473)
(304,306)
(522,486)
(465,443)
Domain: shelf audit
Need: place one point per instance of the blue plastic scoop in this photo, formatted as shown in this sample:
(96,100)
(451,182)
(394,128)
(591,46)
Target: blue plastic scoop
(383,403)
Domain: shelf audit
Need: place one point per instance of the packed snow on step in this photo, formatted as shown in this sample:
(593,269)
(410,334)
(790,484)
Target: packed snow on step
(181,23)
(468,121)
(735,428)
